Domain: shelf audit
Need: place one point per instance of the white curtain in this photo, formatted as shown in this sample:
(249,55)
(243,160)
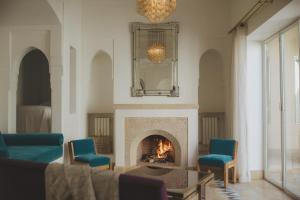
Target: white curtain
(239,101)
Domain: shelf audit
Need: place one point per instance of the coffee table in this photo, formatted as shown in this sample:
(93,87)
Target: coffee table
(181,184)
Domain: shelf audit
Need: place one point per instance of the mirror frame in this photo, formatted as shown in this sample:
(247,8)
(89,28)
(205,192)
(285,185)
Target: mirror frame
(135,89)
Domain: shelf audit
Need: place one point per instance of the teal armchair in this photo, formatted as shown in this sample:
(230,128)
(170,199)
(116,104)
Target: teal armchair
(84,152)
(222,154)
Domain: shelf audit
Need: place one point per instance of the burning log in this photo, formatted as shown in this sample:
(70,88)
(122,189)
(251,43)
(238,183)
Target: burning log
(162,152)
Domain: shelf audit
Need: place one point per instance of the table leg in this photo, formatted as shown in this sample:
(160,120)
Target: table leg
(201,191)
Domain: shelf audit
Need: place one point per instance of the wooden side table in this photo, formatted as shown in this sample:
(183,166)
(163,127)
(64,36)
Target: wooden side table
(206,178)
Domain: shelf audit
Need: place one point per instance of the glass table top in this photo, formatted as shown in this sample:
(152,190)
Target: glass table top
(177,180)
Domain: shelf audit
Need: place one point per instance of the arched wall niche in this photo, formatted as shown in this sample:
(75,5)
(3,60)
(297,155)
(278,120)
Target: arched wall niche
(36,40)
(33,103)
(34,87)
(211,90)
(100,84)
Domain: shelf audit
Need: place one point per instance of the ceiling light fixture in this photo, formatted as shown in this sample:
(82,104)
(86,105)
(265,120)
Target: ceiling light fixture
(156,10)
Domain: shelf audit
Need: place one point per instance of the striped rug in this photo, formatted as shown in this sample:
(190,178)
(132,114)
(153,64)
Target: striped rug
(230,193)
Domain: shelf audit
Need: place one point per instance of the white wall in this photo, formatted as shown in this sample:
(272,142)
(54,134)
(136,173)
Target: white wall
(71,38)
(18,34)
(106,27)
(195,37)
(29,12)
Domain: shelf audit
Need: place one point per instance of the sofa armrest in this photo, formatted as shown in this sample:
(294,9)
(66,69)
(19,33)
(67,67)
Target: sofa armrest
(52,139)
(22,180)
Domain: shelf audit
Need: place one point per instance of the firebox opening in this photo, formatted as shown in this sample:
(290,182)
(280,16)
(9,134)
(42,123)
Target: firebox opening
(156,149)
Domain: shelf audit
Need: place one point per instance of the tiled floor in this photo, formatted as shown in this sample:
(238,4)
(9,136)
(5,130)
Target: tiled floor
(256,190)
(292,179)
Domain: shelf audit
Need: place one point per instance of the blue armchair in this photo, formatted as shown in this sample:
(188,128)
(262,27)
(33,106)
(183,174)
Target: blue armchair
(222,154)
(84,152)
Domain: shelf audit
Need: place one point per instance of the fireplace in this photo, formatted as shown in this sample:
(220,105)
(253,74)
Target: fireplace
(156,141)
(156,149)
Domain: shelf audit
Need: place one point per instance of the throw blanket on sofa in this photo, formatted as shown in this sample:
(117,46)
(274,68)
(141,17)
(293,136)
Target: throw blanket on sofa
(80,182)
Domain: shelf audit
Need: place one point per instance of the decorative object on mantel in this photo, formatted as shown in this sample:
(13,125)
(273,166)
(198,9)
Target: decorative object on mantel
(155,58)
(157,48)
(100,126)
(156,10)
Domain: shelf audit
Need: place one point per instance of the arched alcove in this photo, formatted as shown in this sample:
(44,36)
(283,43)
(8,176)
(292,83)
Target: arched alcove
(212,100)
(34,93)
(211,82)
(100,97)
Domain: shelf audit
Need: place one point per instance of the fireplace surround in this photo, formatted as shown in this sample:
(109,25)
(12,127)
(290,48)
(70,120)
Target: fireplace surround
(178,120)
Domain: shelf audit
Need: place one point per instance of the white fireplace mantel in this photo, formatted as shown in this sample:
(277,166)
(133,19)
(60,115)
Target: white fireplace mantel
(190,114)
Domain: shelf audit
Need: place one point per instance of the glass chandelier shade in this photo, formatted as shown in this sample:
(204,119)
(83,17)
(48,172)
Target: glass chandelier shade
(156,10)
(157,49)
(157,53)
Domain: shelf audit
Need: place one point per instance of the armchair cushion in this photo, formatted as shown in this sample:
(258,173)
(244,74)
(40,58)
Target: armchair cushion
(215,160)
(84,146)
(222,147)
(93,160)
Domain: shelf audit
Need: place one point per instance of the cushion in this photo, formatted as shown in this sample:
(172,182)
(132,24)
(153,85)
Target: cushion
(84,146)
(93,160)
(222,146)
(33,139)
(214,160)
(43,154)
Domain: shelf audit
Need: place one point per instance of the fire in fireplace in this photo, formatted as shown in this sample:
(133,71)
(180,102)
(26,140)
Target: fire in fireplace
(157,149)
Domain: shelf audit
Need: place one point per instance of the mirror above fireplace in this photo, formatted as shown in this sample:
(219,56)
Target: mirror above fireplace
(154,60)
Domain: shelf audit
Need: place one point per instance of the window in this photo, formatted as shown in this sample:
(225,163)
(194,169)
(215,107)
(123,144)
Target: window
(282,109)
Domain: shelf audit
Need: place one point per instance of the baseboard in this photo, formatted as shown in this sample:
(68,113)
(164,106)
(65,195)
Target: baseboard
(257,174)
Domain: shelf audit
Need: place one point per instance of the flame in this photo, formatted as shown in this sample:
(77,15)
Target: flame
(163,148)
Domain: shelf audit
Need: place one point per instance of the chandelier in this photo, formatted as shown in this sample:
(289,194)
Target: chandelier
(157,51)
(156,10)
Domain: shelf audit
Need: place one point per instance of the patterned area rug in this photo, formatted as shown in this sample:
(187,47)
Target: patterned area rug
(216,191)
